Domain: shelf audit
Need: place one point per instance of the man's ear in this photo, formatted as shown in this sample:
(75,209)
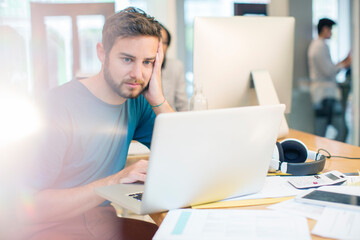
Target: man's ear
(100,52)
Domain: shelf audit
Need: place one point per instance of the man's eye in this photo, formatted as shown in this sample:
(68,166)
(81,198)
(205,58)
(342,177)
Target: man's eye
(127,60)
(147,62)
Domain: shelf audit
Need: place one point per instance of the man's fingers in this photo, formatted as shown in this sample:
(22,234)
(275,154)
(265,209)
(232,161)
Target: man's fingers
(134,177)
(135,172)
(160,51)
(159,59)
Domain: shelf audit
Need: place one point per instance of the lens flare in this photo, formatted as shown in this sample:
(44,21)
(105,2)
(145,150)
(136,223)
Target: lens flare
(19,118)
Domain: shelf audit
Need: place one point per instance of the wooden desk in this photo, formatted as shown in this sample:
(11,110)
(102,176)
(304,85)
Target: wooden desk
(313,143)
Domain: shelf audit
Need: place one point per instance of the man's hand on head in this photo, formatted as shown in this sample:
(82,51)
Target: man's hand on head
(154,94)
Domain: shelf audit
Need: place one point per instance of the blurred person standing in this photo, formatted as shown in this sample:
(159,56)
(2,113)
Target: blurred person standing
(324,89)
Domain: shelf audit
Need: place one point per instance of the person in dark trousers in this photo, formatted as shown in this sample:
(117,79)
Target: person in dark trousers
(325,92)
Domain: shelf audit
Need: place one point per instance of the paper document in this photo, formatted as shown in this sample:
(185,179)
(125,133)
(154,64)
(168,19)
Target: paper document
(338,223)
(353,181)
(211,224)
(302,209)
(241,203)
(274,187)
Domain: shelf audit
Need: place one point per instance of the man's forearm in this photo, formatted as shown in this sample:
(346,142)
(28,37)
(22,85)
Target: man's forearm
(164,108)
(53,205)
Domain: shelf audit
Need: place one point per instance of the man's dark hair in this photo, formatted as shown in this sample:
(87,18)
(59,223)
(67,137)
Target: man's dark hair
(324,22)
(129,22)
(168,34)
(167,43)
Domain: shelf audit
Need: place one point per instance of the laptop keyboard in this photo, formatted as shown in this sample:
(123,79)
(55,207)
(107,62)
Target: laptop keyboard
(137,196)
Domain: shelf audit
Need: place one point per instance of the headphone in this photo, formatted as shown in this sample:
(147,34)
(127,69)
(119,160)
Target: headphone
(289,156)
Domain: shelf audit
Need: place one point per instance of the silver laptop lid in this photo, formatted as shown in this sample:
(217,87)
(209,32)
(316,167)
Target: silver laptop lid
(204,156)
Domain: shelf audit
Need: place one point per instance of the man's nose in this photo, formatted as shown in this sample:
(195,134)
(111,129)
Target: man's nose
(136,71)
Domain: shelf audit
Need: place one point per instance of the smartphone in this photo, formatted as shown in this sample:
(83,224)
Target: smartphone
(326,198)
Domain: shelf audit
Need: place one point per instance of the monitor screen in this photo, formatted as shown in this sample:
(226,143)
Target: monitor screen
(227,49)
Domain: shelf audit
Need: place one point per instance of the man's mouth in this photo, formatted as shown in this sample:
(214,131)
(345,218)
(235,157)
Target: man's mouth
(133,84)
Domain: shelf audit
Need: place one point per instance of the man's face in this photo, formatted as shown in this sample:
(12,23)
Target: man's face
(129,65)
(327,32)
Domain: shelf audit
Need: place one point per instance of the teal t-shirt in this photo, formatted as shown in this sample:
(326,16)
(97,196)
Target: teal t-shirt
(84,138)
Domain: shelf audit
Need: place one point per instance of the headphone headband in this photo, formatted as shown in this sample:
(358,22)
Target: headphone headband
(307,168)
(290,156)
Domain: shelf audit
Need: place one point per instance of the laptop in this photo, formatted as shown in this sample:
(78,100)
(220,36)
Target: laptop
(201,157)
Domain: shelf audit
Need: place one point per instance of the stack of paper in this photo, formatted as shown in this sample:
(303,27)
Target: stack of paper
(276,189)
(231,224)
(338,223)
(332,222)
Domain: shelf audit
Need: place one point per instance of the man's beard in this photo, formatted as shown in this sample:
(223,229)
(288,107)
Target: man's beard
(119,88)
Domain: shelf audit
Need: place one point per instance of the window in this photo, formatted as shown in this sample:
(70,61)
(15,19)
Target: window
(338,11)
(15,14)
(193,8)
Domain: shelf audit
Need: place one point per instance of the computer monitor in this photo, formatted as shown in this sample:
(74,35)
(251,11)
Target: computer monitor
(228,49)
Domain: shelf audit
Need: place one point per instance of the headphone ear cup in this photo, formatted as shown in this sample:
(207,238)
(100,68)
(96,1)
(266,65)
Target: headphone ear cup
(278,152)
(294,151)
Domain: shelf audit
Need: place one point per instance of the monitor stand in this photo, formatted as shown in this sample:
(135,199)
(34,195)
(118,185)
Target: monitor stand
(266,95)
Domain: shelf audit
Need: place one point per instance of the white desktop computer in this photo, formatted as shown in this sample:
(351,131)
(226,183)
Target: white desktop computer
(232,54)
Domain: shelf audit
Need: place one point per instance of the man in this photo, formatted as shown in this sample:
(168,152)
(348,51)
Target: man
(324,90)
(173,77)
(89,126)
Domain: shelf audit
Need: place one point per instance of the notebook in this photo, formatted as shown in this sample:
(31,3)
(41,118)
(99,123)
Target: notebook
(203,156)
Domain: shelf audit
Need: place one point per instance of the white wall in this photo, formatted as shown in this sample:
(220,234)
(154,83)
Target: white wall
(356,69)
(278,8)
(302,11)
(344,26)
(165,12)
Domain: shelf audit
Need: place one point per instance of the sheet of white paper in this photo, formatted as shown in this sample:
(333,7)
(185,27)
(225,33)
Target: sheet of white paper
(352,180)
(211,224)
(274,187)
(338,223)
(303,209)
(311,210)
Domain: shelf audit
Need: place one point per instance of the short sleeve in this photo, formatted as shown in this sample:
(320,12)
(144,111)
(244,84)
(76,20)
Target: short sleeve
(146,118)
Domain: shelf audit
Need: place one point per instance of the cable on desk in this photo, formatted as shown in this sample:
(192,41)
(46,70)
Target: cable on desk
(330,156)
